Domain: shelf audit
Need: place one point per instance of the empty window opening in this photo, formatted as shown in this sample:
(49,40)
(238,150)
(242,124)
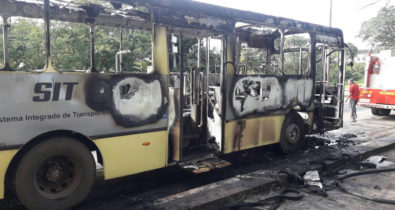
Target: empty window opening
(296,54)
(70,46)
(26,44)
(122,50)
(256,52)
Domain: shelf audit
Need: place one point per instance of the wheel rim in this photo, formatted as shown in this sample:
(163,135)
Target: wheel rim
(57,177)
(293,133)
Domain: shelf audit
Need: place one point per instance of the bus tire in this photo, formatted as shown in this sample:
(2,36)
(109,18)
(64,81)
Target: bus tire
(375,111)
(293,134)
(57,173)
(384,112)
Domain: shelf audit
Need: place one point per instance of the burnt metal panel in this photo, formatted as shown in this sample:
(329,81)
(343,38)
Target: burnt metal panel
(217,13)
(252,132)
(110,93)
(80,102)
(175,141)
(255,95)
(56,12)
(191,20)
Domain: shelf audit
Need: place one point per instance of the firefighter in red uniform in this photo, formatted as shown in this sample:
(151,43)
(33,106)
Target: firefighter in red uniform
(354,98)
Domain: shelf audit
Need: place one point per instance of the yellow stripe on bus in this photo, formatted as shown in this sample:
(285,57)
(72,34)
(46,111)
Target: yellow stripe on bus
(387,93)
(5,157)
(367,91)
(132,154)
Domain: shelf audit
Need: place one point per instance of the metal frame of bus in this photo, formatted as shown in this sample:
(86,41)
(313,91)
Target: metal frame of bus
(137,144)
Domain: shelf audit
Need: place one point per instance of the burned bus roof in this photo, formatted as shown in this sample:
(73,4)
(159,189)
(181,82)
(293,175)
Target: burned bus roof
(138,14)
(192,7)
(66,10)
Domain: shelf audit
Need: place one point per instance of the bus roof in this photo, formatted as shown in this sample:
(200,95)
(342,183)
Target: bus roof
(191,7)
(179,13)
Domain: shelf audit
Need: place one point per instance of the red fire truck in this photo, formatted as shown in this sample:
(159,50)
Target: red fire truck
(378,92)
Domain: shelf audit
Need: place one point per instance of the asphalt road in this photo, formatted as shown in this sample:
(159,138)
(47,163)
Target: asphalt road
(376,185)
(367,124)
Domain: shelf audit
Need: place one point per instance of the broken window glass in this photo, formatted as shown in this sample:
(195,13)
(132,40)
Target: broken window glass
(26,44)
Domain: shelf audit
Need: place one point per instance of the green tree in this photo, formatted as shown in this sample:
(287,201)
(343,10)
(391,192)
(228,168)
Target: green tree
(353,51)
(379,31)
(69,46)
(26,44)
(108,43)
(356,72)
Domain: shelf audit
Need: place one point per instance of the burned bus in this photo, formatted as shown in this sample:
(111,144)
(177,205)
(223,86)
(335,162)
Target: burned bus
(143,85)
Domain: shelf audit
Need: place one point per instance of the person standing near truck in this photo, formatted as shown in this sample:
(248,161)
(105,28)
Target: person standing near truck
(354,98)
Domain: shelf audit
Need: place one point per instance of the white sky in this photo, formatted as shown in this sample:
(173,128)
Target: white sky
(346,14)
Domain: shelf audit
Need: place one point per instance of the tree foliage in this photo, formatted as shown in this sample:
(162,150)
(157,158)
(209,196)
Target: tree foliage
(379,31)
(353,51)
(70,46)
(190,48)
(356,71)
(254,59)
(26,44)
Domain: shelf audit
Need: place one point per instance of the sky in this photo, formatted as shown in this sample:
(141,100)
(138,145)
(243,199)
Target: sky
(348,15)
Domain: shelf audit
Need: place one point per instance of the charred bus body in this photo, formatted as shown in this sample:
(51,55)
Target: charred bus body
(221,80)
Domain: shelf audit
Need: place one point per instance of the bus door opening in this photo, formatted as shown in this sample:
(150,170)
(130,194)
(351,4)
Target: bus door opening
(196,63)
(329,91)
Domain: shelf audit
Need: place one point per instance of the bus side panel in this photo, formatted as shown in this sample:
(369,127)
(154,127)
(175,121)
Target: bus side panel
(94,105)
(131,154)
(5,157)
(257,106)
(253,132)
(262,95)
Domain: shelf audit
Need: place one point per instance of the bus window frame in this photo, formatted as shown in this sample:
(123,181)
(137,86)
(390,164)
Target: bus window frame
(6,29)
(303,72)
(279,51)
(7,39)
(3,44)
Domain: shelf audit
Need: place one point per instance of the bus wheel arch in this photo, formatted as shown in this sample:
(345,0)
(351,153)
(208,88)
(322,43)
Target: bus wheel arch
(293,133)
(12,167)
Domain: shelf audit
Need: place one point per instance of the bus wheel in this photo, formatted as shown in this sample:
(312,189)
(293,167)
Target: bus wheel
(292,134)
(375,111)
(57,173)
(384,112)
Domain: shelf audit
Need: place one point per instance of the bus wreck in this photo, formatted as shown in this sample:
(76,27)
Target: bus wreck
(215,81)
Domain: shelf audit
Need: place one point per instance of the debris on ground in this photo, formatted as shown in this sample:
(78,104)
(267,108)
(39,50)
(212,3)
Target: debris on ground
(378,161)
(312,178)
